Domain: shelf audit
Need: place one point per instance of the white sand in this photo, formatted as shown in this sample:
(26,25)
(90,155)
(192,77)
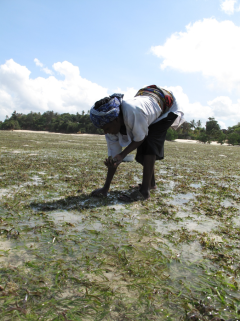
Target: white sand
(189,141)
(46,132)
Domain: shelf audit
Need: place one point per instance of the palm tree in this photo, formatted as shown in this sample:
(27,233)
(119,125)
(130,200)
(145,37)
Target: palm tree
(193,123)
(199,123)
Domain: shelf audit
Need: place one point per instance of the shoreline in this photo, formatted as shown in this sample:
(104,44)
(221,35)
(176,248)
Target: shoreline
(186,141)
(46,132)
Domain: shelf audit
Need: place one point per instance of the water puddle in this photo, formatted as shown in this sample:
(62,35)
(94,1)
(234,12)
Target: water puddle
(3,192)
(181,199)
(236,220)
(162,171)
(36,180)
(191,225)
(168,186)
(229,203)
(66,216)
(201,227)
(191,252)
(75,219)
(11,255)
(184,214)
(196,185)
(42,173)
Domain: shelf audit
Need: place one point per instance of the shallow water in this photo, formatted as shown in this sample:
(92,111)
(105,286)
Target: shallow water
(75,219)
(196,185)
(181,199)
(201,226)
(155,259)
(3,192)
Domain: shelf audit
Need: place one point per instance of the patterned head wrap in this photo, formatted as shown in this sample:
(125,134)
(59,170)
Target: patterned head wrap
(107,112)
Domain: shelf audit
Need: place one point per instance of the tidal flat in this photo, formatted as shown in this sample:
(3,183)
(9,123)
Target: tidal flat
(65,255)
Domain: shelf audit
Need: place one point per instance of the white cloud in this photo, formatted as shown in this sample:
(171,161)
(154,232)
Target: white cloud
(38,63)
(128,94)
(6,104)
(74,94)
(208,47)
(228,6)
(45,69)
(222,124)
(21,93)
(225,110)
(221,108)
(192,110)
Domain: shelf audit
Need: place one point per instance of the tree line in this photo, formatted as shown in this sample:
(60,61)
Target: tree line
(81,123)
(52,122)
(208,133)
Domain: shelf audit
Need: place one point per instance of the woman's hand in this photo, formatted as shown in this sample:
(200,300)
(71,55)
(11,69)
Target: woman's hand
(100,191)
(113,162)
(109,162)
(117,160)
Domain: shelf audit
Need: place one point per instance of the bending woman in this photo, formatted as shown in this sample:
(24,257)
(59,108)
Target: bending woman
(139,123)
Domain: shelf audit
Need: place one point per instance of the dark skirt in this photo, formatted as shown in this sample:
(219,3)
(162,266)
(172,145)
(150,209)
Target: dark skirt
(154,142)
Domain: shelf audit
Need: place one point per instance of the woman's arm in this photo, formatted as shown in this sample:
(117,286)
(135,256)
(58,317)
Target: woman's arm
(119,158)
(105,188)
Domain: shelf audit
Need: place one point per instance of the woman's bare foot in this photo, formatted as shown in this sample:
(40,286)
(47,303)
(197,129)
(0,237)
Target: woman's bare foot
(145,193)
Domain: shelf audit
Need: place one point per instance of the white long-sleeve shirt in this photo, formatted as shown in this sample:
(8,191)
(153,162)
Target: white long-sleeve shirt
(138,114)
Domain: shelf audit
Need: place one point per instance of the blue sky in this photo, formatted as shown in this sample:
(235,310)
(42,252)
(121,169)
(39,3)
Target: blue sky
(65,55)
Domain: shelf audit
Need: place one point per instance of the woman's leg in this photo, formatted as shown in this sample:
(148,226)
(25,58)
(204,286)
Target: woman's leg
(148,175)
(153,183)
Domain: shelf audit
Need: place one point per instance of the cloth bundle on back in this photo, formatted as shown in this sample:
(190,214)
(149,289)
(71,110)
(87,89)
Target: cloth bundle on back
(163,97)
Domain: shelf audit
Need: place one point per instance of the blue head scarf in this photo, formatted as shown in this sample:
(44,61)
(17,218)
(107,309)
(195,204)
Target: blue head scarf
(107,112)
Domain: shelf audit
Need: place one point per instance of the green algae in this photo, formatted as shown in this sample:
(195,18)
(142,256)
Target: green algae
(65,255)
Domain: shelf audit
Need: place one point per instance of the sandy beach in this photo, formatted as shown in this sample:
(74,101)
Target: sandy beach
(46,132)
(188,141)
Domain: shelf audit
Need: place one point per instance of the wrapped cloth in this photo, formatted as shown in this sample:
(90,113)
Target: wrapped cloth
(107,112)
(163,97)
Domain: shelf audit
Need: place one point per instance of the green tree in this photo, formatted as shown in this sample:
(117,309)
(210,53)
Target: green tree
(199,123)
(203,137)
(193,123)
(171,134)
(233,138)
(211,126)
(10,124)
(221,138)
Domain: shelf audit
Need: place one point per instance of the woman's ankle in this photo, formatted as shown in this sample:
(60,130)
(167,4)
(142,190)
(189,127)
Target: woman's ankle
(145,192)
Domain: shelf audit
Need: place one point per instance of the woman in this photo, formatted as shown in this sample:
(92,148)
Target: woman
(139,123)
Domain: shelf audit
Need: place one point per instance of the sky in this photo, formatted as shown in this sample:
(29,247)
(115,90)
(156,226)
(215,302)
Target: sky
(64,55)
